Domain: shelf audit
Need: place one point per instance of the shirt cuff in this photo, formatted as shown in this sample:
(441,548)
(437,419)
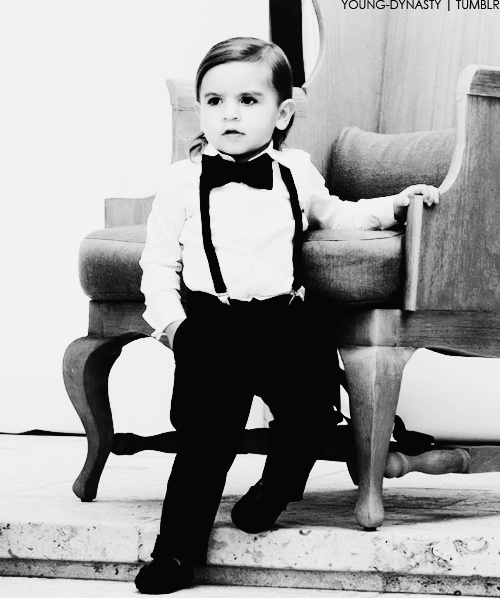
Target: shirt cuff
(159,333)
(162,312)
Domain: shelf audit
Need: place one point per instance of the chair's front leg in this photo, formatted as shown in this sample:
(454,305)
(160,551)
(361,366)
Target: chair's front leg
(86,368)
(374,380)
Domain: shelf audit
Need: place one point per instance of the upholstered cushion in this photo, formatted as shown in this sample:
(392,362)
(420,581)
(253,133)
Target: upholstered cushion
(373,165)
(109,263)
(344,266)
(354,267)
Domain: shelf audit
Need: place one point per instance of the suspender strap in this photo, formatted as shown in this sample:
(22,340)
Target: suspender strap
(287,177)
(213,262)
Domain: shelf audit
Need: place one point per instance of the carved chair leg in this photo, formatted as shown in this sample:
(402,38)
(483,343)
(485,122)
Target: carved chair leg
(374,379)
(86,367)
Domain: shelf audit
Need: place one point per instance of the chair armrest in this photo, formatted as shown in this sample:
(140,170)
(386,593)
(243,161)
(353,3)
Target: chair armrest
(453,249)
(126,211)
(413,240)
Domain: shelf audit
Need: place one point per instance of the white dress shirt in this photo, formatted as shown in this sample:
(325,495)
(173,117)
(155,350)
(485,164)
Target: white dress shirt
(252,232)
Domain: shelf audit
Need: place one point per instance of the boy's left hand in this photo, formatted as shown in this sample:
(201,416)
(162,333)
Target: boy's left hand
(402,201)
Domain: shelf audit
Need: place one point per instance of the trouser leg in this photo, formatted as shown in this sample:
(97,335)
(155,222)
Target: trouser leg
(210,406)
(301,386)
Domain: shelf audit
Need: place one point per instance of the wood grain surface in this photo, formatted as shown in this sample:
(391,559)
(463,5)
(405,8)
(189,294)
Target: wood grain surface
(426,51)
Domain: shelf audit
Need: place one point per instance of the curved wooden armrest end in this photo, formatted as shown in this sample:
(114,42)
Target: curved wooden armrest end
(452,248)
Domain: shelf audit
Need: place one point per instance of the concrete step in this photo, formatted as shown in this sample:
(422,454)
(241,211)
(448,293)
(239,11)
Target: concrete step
(12,587)
(441,534)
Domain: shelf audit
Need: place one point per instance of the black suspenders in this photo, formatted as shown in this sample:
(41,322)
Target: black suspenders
(206,230)
(287,177)
(213,262)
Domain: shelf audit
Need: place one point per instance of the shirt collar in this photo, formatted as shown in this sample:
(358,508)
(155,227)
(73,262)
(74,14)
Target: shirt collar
(210,150)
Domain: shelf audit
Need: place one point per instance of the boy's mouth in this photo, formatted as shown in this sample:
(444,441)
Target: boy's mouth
(231,132)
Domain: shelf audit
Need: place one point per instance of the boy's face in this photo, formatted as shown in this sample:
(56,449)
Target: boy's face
(239,108)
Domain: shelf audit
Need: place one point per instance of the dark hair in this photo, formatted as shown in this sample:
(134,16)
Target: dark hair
(248,49)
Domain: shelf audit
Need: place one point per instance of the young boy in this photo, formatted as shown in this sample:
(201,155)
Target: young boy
(231,219)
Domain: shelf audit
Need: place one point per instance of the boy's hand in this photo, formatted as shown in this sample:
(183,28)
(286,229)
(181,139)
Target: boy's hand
(402,201)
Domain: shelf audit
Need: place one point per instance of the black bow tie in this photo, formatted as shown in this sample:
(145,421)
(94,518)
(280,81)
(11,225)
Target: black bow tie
(256,173)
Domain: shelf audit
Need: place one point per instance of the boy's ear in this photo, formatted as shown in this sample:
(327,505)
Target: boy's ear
(286,111)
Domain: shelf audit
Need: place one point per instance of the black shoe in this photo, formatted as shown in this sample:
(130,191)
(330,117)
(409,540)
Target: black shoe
(164,576)
(258,510)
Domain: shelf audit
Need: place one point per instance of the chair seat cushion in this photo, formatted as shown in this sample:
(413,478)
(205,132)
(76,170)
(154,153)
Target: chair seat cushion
(109,263)
(346,267)
(354,267)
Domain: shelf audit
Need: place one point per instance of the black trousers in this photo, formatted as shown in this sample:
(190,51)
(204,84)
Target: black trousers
(224,356)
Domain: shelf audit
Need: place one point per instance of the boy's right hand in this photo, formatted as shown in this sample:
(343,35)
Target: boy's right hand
(429,194)
(171,329)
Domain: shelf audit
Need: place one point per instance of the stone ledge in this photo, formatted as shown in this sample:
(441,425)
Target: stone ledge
(314,535)
(259,577)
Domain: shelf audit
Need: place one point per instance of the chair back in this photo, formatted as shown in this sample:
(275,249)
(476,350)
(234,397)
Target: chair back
(366,164)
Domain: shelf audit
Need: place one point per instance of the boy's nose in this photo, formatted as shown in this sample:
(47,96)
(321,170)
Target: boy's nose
(231,112)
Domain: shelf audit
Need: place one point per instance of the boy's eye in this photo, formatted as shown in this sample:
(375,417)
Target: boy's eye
(213,101)
(248,100)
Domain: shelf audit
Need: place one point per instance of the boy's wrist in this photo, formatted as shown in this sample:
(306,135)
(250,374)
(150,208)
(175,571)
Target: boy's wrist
(400,206)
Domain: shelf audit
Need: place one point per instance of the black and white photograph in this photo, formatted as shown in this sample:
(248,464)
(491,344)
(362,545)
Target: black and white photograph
(251,298)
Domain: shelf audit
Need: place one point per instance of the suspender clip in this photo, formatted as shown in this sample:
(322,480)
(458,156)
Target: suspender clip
(223,298)
(298,293)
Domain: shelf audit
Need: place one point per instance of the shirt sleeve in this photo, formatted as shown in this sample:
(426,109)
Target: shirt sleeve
(161,259)
(329,212)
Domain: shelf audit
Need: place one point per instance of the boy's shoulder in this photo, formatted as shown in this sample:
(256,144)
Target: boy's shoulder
(292,157)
